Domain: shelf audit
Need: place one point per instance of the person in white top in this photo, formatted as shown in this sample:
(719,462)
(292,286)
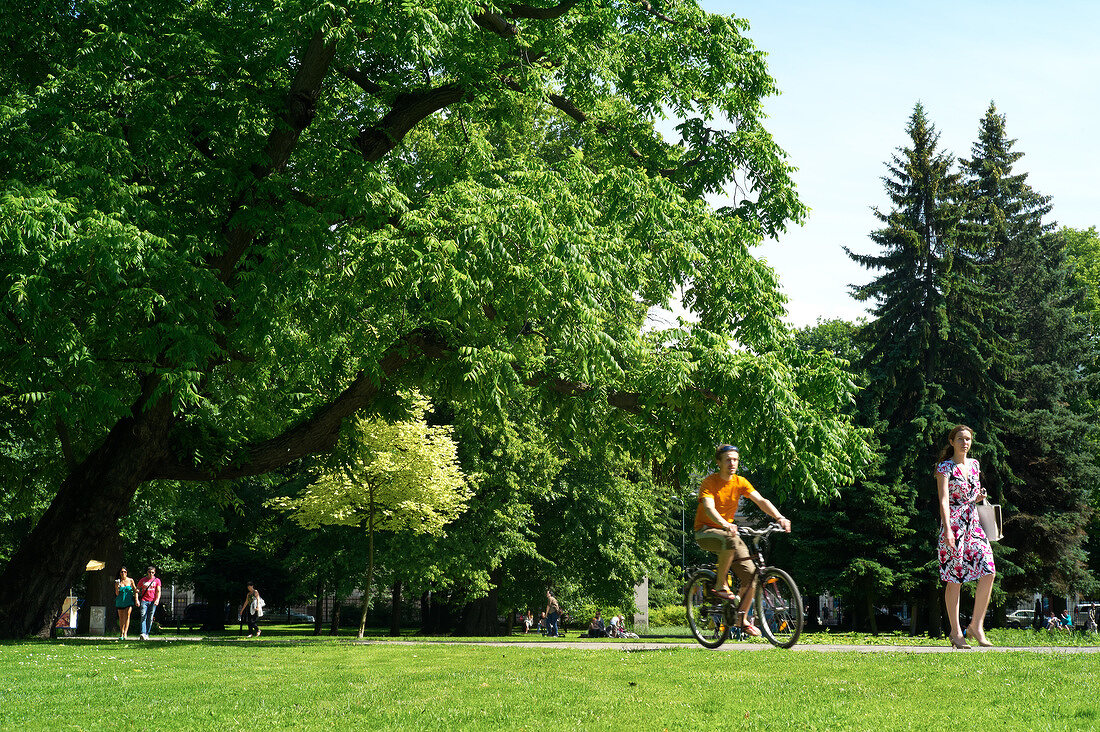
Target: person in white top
(254,604)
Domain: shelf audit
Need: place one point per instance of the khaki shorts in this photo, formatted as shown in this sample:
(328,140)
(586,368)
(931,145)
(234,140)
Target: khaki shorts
(717,541)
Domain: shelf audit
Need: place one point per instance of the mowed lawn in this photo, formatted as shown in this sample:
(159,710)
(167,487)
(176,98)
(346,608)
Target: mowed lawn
(230,685)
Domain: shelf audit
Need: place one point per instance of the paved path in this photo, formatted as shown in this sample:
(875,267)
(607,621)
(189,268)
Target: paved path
(629,647)
(734,646)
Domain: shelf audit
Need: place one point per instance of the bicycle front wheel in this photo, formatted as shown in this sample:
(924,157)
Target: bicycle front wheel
(705,613)
(779,607)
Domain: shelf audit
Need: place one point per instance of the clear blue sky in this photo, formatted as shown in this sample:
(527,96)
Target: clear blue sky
(850,74)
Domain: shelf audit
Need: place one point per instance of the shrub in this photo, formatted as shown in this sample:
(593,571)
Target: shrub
(667,616)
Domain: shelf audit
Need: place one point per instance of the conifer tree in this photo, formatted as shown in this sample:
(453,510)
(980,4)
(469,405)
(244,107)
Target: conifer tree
(1047,433)
(929,352)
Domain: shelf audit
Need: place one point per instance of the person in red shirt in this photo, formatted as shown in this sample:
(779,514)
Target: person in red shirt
(715,531)
(148,588)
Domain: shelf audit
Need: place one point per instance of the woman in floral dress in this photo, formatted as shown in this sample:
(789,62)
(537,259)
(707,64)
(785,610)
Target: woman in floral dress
(965,554)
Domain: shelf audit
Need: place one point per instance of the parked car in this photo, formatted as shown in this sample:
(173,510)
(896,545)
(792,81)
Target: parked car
(1081,613)
(1020,619)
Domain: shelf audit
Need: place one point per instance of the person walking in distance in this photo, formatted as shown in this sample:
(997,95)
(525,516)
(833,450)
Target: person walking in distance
(254,607)
(125,601)
(149,591)
(964,551)
(553,612)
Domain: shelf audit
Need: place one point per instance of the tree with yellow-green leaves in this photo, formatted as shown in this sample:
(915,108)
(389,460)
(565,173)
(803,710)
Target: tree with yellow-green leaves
(396,476)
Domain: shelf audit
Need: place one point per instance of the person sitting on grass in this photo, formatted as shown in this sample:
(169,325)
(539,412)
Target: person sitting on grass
(596,628)
(715,531)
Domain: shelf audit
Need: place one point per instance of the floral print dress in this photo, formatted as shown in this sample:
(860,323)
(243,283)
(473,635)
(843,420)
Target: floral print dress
(973,557)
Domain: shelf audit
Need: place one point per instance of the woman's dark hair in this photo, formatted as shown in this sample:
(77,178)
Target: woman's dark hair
(121,570)
(947,451)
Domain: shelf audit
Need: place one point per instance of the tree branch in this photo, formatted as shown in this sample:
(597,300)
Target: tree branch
(648,7)
(578,116)
(66,443)
(297,114)
(360,79)
(551,13)
(408,110)
(315,435)
(495,23)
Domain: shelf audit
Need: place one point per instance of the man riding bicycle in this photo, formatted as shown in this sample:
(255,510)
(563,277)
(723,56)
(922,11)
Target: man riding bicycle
(715,531)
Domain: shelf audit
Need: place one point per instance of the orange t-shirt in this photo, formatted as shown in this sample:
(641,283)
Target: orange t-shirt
(726,493)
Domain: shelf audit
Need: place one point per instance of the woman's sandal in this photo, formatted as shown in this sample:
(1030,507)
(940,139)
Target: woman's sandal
(750,629)
(982,640)
(725,595)
(961,643)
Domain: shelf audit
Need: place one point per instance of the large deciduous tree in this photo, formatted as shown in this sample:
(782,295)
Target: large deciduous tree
(226,228)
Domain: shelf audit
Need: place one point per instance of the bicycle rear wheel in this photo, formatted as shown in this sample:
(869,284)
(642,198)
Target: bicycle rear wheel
(779,607)
(705,612)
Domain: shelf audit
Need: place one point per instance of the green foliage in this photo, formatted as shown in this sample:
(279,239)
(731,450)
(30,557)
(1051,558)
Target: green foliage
(529,243)
(1082,249)
(1049,432)
(243,224)
(832,335)
(667,616)
(854,546)
(931,356)
(401,476)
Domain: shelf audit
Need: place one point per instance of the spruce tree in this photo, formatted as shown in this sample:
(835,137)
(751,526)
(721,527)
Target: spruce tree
(1047,433)
(930,354)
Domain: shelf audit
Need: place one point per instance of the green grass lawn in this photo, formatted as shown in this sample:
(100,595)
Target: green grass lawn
(281,684)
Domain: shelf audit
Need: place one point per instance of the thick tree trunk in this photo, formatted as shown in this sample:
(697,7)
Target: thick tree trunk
(82,516)
(480,617)
(318,608)
(812,607)
(1000,616)
(99,586)
(395,610)
(917,619)
(427,614)
(214,622)
(334,627)
(935,612)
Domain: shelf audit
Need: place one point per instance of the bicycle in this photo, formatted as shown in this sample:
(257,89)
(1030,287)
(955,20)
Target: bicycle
(778,603)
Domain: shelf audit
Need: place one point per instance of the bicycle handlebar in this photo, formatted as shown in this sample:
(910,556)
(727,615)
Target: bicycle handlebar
(772,528)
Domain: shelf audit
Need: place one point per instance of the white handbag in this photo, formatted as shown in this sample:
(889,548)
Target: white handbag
(989,514)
